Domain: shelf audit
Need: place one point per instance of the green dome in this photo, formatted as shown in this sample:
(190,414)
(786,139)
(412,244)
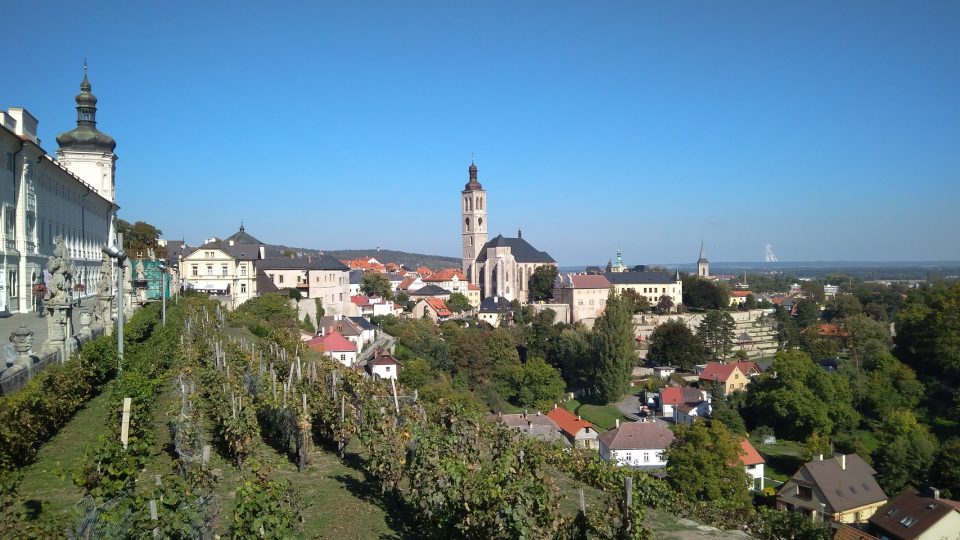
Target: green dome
(86,136)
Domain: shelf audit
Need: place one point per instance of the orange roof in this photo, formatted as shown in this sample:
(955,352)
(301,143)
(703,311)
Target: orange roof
(333,342)
(750,456)
(848,532)
(446,274)
(716,371)
(740,294)
(407,281)
(473,287)
(831,330)
(439,306)
(424,271)
(570,424)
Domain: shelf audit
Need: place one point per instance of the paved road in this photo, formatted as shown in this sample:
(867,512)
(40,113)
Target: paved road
(630,405)
(36,323)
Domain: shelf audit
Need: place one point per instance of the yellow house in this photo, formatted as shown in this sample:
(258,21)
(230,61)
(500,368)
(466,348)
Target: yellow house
(841,489)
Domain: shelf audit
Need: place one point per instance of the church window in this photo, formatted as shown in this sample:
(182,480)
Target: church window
(479,221)
(471,240)
(466,224)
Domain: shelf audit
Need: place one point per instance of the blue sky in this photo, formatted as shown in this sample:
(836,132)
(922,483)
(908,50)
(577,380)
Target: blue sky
(828,129)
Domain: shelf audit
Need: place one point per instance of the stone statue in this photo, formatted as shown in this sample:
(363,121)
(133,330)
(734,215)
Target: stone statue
(105,285)
(140,275)
(22,340)
(61,272)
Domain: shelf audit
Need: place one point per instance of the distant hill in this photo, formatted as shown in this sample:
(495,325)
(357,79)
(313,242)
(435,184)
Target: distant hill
(409,260)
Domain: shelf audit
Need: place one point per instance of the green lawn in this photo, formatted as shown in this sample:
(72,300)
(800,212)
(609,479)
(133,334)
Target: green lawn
(601,416)
(783,459)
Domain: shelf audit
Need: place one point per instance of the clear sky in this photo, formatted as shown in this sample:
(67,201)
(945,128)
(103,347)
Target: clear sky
(829,129)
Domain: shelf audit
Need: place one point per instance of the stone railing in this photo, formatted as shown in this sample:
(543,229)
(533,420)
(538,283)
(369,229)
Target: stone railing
(34,364)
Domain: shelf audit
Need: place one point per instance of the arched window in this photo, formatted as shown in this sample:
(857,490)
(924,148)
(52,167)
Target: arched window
(466,224)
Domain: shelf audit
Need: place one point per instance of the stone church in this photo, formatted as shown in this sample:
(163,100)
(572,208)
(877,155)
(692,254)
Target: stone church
(502,266)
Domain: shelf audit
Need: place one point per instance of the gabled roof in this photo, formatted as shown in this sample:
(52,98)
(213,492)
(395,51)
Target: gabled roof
(750,456)
(831,330)
(717,371)
(492,304)
(430,290)
(446,274)
(438,306)
(240,252)
(360,300)
(640,278)
(849,532)
(241,237)
(911,514)
(567,421)
(332,342)
(675,395)
(310,262)
(740,294)
(363,323)
(638,436)
(383,360)
(584,281)
(344,326)
(521,250)
(845,486)
(265,284)
(356,276)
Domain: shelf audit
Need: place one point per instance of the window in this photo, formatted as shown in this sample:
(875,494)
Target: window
(243,287)
(388,369)
(804,492)
(908,521)
(223,270)
(209,269)
(196,271)
(343,358)
(646,457)
(281,278)
(243,270)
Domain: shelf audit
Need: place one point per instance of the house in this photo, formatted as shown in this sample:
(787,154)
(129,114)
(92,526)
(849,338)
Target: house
(739,297)
(315,276)
(650,285)
(684,413)
(366,265)
(663,372)
(671,396)
(733,375)
(336,347)
(586,295)
(356,279)
(343,326)
(432,308)
(917,515)
(410,284)
(430,291)
(539,426)
(373,306)
(491,308)
(753,463)
(841,489)
(578,431)
(368,332)
(849,532)
(225,268)
(450,279)
(636,444)
(831,331)
(384,367)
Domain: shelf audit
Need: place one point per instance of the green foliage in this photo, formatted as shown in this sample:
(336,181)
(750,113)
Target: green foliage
(320,312)
(541,283)
(140,237)
(573,353)
(841,307)
(665,304)
(673,344)
(292,293)
(613,349)
(265,509)
(817,444)
(716,333)
(271,309)
(374,284)
(807,312)
(801,399)
(906,452)
(534,384)
(817,347)
(637,303)
(702,294)
(928,332)
(308,323)
(457,303)
(416,373)
(945,472)
(703,464)
(812,290)
(788,334)
(770,524)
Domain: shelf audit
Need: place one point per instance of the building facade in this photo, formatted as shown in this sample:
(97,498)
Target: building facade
(474,219)
(71,196)
(585,294)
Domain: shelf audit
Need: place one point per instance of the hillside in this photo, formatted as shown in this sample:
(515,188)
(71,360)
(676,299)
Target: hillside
(409,260)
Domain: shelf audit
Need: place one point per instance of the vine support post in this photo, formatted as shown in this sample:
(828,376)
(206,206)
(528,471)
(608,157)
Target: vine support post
(628,503)
(396,402)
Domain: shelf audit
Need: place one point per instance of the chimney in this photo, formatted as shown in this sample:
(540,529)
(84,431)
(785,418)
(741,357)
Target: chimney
(538,413)
(935,493)
(554,406)
(578,417)
(232,242)
(819,457)
(500,415)
(843,462)
(263,252)
(618,422)
(25,125)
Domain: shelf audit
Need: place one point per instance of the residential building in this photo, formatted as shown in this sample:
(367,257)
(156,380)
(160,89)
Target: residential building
(685,413)
(672,396)
(753,463)
(315,276)
(71,196)
(585,294)
(739,297)
(492,308)
(450,279)
(368,332)
(336,347)
(384,367)
(841,489)
(650,285)
(345,326)
(225,268)
(430,291)
(373,306)
(636,444)
(732,375)
(579,432)
(538,426)
(917,515)
(432,308)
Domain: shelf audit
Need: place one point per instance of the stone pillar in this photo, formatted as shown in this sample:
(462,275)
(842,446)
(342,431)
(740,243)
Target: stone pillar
(22,339)
(59,330)
(103,313)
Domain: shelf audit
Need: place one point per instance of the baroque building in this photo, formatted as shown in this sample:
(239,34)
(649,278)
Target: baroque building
(500,267)
(71,196)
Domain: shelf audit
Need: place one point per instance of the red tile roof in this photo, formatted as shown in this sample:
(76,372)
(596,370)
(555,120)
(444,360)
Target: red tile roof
(849,532)
(568,422)
(473,287)
(446,274)
(439,306)
(589,282)
(638,436)
(407,281)
(831,330)
(740,294)
(675,395)
(716,371)
(750,456)
(384,360)
(332,342)
(424,271)
(360,300)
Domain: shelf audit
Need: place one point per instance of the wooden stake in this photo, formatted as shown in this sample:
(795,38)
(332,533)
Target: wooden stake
(125,422)
(396,402)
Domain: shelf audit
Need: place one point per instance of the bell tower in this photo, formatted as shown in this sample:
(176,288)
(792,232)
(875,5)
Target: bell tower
(703,265)
(473,223)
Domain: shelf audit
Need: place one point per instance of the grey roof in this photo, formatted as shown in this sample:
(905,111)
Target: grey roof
(383,360)
(242,237)
(924,510)
(521,250)
(310,262)
(492,304)
(525,420)
(429,290)
(241,252)
(363,323)
(343,326)
(638,436)
(175,248)
(356,277)
(631,278)
(265,284)
(844,488)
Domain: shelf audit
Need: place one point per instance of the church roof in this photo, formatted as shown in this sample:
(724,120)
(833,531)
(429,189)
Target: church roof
(242,237)
(86,136)
(521,250)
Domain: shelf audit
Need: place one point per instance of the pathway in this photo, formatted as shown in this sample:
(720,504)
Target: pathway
(38,324)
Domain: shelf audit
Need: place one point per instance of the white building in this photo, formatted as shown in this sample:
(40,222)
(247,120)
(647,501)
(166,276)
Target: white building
(636,444)
(71,196)
(384,367)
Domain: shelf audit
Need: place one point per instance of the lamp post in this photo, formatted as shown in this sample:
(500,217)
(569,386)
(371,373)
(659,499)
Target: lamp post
(120,256)
(163,292)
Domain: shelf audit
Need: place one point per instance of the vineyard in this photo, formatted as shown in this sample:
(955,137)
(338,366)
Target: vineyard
(232,435)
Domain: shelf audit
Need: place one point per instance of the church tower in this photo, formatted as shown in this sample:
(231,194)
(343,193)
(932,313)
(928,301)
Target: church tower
(473,222)
(86,151)
(703,265)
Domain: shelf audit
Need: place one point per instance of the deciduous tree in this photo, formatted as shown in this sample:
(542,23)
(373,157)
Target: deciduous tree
(673,344)
(541,283)
(374,284)
(457,303)
(703,464)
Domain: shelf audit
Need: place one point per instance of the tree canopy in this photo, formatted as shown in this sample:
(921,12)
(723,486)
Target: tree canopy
(702,294)
(458,303)
(541,283)
(613,348)
(716,332)
(140,237)
(703,464)
(673,344)
(374,284)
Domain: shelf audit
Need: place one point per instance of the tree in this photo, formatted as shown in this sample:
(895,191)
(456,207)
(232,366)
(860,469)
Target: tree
(374,284)
(906,452)
(665,304)
(813,290)
(928,332)
(415,374)
(807,309)
(716,331)
(457,303)
(673,344)
(574,354)
(841,307)
(751,302)
(817,444)
(816,346)
(535,384)
(946,469)
(613,348)
(308,323)
(273,308)
(541,283)
(703,464)
(702,294)
(635,302)
(318,303)
(139,238)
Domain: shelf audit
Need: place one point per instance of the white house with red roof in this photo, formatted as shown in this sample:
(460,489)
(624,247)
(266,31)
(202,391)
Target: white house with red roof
(384,367)
(732,375)
(336,347)
(432,308)
(753,463)
(578,431)
(672,396)
(636,444)
(739,297)
(450,279)
(373,306)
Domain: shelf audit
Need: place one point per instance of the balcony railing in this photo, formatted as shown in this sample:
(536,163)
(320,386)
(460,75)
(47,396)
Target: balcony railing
(10,245)
(31,247)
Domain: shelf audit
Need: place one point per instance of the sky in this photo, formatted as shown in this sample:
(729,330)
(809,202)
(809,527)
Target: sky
(830,130)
